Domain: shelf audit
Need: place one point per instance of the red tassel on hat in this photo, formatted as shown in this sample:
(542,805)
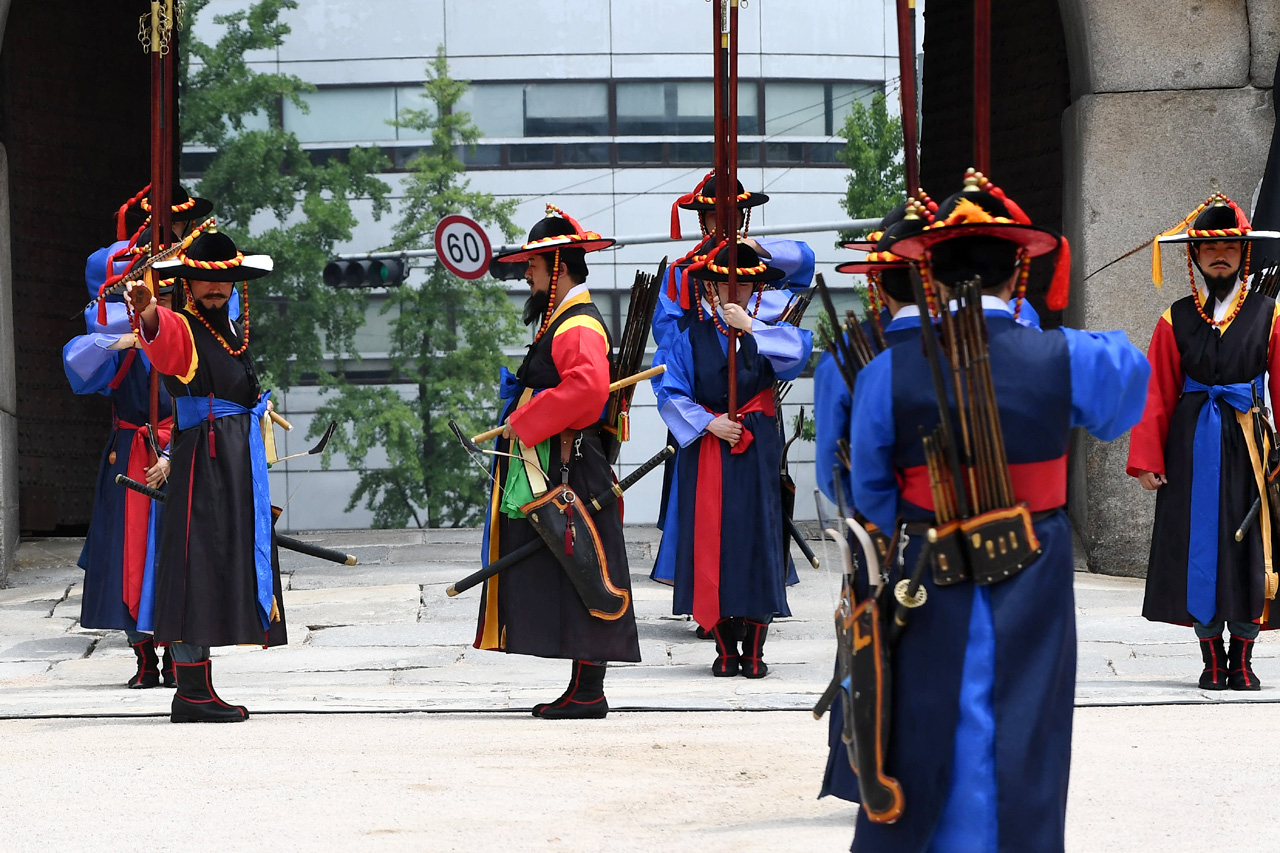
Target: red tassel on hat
(102,311)
(121,233)
(1060,288)
(675,216)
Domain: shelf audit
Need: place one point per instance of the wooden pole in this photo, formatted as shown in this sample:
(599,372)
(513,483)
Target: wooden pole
(907,73)
(982,86)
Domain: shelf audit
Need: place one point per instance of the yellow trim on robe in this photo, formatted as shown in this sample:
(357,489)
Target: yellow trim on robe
(579,299)
(186,378)
(581,321)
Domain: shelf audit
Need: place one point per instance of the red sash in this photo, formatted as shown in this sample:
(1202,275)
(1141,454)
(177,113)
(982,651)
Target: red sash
(708,513)
(137,511)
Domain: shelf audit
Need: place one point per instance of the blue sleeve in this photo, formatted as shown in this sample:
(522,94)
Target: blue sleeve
(674,389)
(873,481)
(831,419)
(1108,382)
(793,257)
(786,347)
(667,311)
(89,365)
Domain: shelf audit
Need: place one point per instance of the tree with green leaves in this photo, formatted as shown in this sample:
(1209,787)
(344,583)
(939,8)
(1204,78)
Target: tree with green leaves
(264,173)
(873,153)
(446,342)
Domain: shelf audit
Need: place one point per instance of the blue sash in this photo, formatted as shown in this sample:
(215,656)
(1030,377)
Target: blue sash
(189,412)
(1206,479)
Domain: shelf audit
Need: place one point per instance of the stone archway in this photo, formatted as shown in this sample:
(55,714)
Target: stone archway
(1111,121)
(73,144)
(1170,100)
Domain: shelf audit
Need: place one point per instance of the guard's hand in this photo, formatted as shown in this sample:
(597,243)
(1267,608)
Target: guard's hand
(158,474)
(1151,480)
(126,341)
(760,250)
(144,305)
(507,432)
(725,429)
(737,317)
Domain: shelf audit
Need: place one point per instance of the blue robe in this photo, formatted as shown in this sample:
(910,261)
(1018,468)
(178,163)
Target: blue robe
(984,677)
(753,566)
(91,368)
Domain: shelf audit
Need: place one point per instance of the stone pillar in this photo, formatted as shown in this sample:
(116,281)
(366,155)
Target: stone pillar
(8,378)
(1170,102)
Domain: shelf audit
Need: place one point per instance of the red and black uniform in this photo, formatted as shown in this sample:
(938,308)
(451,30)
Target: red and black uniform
(562,386)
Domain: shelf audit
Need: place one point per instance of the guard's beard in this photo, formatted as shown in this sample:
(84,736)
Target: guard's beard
(219,316)
(1220,286)
(535,307)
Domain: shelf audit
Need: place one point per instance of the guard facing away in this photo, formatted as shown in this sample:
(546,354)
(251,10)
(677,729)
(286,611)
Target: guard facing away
(550,460)
(120,547)
(218,582)
(889,284)
(983,673)
(724,549)
(1203,444)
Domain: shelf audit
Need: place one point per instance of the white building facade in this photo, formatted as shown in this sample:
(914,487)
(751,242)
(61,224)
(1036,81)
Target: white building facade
(603,108)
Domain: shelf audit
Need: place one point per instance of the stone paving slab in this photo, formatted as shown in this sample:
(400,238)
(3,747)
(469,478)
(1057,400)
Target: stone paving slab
(383,636)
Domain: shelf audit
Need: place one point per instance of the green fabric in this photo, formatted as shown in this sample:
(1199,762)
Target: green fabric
(517,491)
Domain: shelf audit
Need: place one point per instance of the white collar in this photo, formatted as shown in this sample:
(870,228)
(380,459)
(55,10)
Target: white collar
(989,303)
(906,311)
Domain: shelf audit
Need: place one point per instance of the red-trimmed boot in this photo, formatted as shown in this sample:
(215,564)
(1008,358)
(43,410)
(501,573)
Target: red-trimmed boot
(196,701)
(1240,665)
(167,678)
(753,665)
(1214,653)
(148,674)
(584,700)
(727,660)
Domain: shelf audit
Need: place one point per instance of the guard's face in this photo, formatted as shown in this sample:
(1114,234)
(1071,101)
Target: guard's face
(211,294)
(741,297)
(708,220)
(538,274)
(1221,258)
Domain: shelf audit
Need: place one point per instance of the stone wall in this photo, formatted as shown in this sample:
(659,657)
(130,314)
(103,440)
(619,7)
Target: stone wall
(1170,102)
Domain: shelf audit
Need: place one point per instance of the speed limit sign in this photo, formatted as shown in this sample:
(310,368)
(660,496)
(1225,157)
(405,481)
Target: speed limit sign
(463,248)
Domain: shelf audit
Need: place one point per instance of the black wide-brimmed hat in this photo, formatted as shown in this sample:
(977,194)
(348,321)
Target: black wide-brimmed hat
(926,209)
(1218,219)
(980,209)
(557,230)
(213,256)
(750,270)
(882,256)
(703,198)
(183,208)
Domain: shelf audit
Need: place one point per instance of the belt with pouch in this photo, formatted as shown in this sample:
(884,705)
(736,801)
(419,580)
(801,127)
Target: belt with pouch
(984,549)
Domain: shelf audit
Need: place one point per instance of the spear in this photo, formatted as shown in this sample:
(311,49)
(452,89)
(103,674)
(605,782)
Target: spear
(982,86)
(724,15)
(160,33)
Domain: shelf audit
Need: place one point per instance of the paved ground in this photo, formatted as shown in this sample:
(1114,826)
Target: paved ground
(465,768)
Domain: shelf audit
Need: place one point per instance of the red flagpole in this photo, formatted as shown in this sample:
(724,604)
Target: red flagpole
(725,82)
(982,86)
(907,73)
(161,47)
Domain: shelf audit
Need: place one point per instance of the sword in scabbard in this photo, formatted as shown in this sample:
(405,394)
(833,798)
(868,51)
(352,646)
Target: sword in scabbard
(286,542)
(597,503)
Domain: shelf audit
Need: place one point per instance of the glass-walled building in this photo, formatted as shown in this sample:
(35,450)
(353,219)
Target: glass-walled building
(604,108)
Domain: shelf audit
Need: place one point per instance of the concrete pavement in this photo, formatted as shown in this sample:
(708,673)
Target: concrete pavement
(464,767)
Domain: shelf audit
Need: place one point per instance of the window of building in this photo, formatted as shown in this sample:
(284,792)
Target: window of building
(805,108)
(566,109)
(679,108)
(343,115)
(497,109)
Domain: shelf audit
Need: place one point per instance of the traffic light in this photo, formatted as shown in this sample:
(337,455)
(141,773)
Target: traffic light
(388,272)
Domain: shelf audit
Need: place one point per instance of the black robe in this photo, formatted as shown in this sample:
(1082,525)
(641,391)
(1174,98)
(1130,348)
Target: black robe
(532,608)
(206,585)
(1185,346)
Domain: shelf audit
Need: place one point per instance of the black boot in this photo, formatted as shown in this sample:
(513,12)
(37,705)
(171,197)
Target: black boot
(196,701)
(1240,665)
(753,665)
(148,674)
(726,663)
(584,700)
(167,678)
(1214,653)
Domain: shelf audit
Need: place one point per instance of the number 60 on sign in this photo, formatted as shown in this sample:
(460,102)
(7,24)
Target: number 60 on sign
(463,248)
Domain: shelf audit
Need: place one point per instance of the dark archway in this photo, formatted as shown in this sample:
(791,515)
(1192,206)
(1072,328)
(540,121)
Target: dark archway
(74,104)
(1030,90)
